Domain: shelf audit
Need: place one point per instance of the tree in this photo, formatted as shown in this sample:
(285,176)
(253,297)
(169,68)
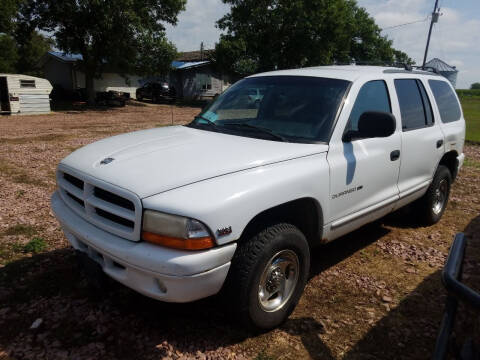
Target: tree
(21,47)
(277,34)
(8,12)
(475,86)
(127,36)
(8,54)
(30,51)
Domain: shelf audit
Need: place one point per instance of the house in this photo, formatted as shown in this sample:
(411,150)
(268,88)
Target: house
(23,94)
(194,76)
(64,72)
(450,72)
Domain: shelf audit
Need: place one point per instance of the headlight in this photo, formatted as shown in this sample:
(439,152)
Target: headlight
(175,231)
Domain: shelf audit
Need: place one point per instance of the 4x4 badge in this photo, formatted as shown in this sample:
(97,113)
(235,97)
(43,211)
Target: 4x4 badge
(224,231)
(106,161)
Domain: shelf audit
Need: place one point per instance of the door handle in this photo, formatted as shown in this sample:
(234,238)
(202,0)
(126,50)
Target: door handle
(439,143)
(395,155)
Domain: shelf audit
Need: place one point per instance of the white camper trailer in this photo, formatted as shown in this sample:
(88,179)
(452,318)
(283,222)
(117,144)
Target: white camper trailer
(23,94)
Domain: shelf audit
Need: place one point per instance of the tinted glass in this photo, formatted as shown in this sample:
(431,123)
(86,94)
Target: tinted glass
(298,108)
(373,96)
(446,101)
(426,103)
(411,104)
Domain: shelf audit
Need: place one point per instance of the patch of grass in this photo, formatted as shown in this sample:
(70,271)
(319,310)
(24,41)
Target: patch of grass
(21,229)
(471,112)
(262,356)
(471,163)
(36,245)
(19,194)
(18,175)
(29,139)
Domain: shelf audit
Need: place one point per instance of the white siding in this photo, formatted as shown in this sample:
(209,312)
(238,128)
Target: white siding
(112,81)
(31,99)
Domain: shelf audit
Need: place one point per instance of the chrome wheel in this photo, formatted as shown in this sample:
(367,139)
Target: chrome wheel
(440,197)
(278,280)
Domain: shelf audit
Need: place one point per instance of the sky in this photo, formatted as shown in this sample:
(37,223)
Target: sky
(455,38)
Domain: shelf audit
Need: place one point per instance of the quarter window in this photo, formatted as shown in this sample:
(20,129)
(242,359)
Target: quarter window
(373,96)
(414,104)
(446,101)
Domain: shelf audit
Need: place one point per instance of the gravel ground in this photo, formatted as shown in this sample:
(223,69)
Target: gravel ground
(373,294)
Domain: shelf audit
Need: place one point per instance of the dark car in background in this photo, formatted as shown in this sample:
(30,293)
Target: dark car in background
(156,92)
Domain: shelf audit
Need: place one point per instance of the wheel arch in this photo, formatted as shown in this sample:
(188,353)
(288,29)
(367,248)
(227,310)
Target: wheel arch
(304,213)
(449,159)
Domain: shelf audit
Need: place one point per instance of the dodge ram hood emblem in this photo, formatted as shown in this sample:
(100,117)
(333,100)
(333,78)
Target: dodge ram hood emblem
(106,161)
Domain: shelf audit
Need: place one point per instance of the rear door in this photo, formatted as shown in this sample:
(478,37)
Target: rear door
(422,138)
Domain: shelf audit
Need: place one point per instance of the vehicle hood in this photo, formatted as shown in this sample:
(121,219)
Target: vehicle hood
(152,161)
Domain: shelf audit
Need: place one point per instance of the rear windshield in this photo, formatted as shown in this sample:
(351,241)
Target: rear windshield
(446,101)
(292,108)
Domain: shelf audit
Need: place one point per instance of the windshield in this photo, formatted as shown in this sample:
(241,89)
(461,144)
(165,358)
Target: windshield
(282,108)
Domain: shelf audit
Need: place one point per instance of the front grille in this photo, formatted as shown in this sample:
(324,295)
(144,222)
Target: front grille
(77,200)
(113,198)
(115,218)
(110,208)
(73,180)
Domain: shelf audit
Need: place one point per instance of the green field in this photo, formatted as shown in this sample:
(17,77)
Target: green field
(471,111)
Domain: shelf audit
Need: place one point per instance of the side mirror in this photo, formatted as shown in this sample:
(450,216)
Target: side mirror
(373,124)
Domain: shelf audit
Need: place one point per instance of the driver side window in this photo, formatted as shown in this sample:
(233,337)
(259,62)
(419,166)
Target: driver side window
(373,96)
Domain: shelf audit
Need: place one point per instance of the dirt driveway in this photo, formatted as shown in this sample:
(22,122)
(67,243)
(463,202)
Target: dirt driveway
(374,294)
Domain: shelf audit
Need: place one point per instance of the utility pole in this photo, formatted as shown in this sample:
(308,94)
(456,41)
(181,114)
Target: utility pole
(435,16)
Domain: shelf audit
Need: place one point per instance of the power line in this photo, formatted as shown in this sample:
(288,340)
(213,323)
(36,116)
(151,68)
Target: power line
(409,23)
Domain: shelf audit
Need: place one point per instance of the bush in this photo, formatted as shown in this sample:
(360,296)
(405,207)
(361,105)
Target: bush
(36,245)
(465,93)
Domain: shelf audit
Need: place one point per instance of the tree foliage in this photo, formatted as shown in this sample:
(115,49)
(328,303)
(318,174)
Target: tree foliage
(8,54)
(21,46)
(268,34)
(125,36)
(475,86)
(8,12)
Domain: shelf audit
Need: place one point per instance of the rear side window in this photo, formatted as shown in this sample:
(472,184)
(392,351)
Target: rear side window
(415,106)
(373,96)
(446,101)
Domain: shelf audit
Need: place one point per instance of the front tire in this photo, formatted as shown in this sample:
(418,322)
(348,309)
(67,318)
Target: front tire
(267,276)
(434,202)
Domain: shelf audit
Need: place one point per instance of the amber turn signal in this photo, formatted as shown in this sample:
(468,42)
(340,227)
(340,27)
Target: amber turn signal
(177,243)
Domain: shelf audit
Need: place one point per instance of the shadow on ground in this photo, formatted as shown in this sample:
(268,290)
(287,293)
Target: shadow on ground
(120,323)
(409,330)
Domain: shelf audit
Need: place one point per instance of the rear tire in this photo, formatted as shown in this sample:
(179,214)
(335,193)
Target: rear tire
(267,276)
(434,202)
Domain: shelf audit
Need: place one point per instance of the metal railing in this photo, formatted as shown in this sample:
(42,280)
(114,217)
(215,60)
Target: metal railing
(457,291)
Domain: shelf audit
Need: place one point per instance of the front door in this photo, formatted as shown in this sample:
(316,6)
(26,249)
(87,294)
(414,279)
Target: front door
(4,97)
(363,172)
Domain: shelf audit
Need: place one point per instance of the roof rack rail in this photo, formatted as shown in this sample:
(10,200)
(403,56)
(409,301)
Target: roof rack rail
(426,68)
(403,65)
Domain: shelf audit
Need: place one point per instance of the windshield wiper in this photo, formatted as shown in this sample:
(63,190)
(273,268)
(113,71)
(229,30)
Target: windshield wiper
(259,129)
(209,122)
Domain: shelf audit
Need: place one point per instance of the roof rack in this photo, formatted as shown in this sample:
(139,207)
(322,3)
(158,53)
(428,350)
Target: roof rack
(426,68)
(405,66)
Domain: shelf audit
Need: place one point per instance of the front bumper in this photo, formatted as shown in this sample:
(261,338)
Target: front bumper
(161,273)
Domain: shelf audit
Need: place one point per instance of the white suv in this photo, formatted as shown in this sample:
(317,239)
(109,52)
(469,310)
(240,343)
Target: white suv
(236,199)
